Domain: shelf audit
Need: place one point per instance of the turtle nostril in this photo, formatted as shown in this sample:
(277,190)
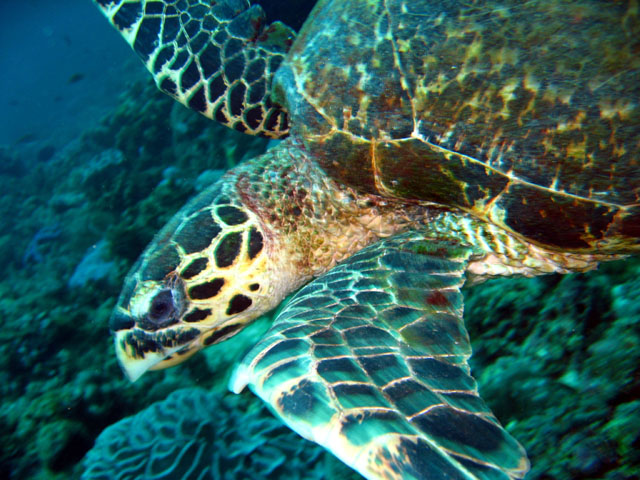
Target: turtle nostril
(162,307)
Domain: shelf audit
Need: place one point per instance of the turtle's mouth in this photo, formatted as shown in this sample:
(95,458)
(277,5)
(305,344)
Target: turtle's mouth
(148,330)
(139,349)
(132,365)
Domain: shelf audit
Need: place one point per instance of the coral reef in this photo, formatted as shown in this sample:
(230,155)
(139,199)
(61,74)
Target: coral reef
(33,252)
(94,267)
(101,199)
(558,360)
(197,434)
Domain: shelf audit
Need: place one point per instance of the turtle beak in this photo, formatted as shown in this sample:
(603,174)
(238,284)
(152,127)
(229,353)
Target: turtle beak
(139,346)
(133,360)
(138,350)
(134,366)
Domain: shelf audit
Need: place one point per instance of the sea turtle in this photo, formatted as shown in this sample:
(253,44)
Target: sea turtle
(430,142)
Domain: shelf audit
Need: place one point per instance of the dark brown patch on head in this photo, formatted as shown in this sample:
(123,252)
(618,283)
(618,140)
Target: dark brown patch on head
(206,290)
(160,264)
(198,232)
(437,298)
(231,215)
(141,343)
(223,332)
(228,249)
(239,303)
(255,242)
(197,315)
(194,268)
(172,338)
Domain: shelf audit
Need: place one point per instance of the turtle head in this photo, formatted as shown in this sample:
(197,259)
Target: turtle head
(200,281)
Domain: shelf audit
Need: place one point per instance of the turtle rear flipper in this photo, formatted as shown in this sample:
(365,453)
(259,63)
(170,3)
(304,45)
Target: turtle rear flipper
(370,361)
(217,59)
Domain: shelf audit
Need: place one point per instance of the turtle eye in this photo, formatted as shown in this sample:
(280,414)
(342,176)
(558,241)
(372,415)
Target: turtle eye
(162,307)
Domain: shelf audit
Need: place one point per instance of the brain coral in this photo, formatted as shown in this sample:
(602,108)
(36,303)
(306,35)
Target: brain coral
(194,434)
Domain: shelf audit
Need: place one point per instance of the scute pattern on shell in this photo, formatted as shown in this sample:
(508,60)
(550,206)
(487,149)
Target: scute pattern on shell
(525,114)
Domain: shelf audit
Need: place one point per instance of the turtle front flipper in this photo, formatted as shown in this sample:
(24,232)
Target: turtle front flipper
(370,361)
(217,58)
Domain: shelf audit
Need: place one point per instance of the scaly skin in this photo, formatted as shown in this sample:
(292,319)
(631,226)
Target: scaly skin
(266,228)
(202,279)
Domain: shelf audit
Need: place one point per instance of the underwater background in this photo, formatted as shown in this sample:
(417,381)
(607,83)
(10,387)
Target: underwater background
(93,161)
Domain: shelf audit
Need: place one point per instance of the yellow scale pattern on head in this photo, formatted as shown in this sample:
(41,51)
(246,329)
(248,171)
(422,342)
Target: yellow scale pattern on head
(216,280)
(241,272)
(320,224)
(233,265)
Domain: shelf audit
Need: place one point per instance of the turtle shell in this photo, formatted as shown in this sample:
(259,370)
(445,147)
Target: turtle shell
(526,114)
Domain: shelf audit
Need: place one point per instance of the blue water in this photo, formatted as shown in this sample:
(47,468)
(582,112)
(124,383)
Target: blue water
(62,68)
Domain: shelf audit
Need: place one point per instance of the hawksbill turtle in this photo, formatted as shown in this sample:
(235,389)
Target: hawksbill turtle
(427,143)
